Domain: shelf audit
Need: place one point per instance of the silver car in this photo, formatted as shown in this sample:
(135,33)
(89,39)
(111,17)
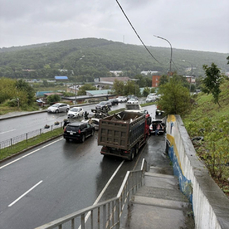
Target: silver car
(58,107)
(75,112)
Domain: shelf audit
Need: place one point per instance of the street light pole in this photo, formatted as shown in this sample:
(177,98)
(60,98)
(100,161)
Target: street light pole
(171,56)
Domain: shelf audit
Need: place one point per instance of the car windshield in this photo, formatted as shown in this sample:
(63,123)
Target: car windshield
(133,107)
(94,122)
(102,103)
(72,128)
(55,105)
(74,109)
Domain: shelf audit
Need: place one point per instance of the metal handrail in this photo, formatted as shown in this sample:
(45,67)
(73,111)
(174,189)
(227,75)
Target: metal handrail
(106,214)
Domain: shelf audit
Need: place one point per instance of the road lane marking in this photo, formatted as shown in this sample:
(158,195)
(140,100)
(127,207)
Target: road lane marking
(102,192)
(25,193)
(104,189)
(29,154)
(7,131)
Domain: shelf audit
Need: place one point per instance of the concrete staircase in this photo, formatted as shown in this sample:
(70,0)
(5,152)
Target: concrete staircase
(160,203)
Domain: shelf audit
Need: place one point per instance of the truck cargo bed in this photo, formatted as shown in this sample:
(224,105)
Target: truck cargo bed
(122,130)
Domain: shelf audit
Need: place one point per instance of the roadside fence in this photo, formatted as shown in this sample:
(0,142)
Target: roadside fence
(30,135)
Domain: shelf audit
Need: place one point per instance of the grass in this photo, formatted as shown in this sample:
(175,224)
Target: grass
(207,119)
(6,109)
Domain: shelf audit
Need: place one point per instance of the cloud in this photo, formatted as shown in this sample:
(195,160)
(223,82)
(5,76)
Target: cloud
(196,24)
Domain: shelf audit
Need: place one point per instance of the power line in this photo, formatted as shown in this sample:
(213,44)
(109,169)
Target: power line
(136,32)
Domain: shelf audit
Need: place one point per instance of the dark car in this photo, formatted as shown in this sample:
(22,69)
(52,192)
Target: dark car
(103,105)
(113,101)
(78,131)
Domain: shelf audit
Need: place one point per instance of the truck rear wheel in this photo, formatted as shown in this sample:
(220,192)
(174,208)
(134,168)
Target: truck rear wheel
(132,154)
(136,150)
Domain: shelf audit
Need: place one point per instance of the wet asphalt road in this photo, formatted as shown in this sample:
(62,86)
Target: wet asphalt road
(59,178)
(10,128)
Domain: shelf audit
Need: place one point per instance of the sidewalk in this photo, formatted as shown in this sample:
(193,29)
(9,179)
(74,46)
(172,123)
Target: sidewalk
(159,204)
(17,114)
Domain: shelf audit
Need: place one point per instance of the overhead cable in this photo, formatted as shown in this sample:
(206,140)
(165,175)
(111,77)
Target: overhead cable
(136,32)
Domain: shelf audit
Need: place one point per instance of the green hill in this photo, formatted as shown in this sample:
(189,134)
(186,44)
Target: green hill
(211,121)
(91,58)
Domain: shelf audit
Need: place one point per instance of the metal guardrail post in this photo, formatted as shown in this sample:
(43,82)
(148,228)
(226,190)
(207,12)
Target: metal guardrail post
(117,212)
(83,221)
(73,223)
(98,218)
(104,216)
(113,215)
(92,219)
(108,214)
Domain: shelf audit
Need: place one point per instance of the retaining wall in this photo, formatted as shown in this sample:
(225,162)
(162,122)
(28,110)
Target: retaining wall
(210,204)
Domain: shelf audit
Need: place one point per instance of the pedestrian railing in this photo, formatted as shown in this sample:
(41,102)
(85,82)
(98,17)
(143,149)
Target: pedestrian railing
(12,141)
(106,214)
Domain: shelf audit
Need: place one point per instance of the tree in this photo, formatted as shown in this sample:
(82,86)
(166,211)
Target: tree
(7,89)
(175,98)
(118,87)
(21,85)
(146,91)
(212,81)
(163,80)
(84,88)
(53,99)
(131,88)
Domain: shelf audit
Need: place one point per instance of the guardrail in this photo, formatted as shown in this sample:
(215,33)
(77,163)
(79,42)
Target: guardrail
(106,214)
(25,137)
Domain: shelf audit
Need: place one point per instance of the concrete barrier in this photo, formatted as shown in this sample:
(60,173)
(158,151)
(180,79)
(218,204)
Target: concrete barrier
(210,204)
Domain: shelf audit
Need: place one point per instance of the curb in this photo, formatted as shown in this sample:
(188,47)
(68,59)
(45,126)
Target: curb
(36,112)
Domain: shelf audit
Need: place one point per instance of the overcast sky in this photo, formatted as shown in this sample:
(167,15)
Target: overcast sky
(187,24)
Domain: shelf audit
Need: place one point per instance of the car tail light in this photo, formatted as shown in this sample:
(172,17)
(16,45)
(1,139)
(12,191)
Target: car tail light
(126,151)
(64,129)
(79,131)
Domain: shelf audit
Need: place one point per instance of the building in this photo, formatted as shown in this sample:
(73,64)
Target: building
(190,79)
(109,81)
(155,80)
(97,92)
(61,78)
(73,89)
(116,73)
(148,72)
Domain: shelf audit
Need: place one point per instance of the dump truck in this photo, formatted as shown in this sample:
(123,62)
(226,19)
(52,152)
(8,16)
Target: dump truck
(123,134)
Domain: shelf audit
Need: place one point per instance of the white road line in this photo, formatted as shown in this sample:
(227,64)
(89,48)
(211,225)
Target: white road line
(29,154)
(104,189)
(25,193)
(102,192)
(7,131)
